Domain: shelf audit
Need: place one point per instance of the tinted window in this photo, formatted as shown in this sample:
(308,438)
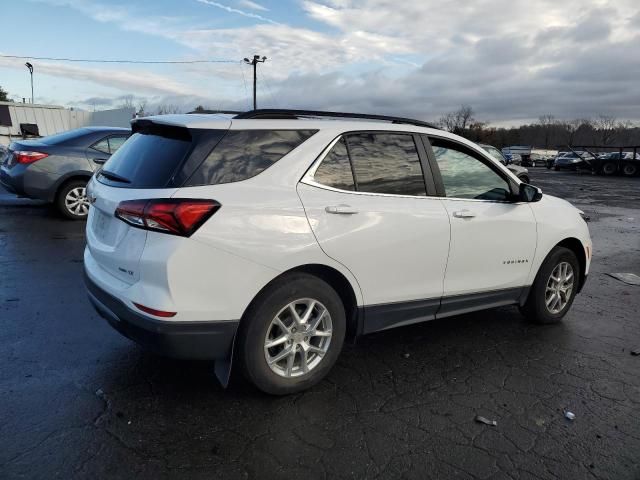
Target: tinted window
(386,163)
(147,160)
(465,176)
(101,146)
(335,169)
(115,143)
(242,154)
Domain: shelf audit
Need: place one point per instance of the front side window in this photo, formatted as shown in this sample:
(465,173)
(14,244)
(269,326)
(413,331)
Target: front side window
(242,154)
(386,163)
(466,176)
(335,169)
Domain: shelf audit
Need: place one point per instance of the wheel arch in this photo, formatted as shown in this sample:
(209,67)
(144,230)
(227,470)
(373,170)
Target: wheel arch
(337,280)
(67,178)
(577,248)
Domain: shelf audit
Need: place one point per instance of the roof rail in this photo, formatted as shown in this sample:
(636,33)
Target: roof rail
(283,114)
(209,112)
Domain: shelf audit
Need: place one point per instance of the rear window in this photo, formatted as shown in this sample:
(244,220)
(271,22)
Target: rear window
(146,160)
(242,154)
(159,156)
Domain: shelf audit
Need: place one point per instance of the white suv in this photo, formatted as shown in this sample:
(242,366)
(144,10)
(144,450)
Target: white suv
(272,236)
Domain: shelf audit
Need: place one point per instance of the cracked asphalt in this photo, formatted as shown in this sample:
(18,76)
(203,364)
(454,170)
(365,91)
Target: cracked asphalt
(77,400)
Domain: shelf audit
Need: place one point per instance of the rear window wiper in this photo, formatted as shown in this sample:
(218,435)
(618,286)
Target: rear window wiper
(114,176)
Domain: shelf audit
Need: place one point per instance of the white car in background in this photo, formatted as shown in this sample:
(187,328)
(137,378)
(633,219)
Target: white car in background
(271,236)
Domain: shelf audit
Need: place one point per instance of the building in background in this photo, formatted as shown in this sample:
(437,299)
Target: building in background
(18,120)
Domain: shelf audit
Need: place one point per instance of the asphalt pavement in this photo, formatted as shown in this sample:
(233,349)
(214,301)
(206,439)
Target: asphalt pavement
(77,400)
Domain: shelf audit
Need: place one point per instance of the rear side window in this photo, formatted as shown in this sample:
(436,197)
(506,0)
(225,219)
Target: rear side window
(386,163)
(147,160)
(335,169)
(242,154)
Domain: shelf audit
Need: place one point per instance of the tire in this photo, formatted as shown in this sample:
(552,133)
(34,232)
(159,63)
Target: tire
(71,200)
(536,308)
(629,169)
(609,168)
(259,326)
(524,179)
(557,169)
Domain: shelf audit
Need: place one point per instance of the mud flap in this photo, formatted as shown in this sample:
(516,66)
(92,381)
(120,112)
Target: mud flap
(222,367)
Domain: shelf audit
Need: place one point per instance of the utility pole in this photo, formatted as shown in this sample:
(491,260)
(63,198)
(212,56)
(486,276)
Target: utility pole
(256,59)
(30,67)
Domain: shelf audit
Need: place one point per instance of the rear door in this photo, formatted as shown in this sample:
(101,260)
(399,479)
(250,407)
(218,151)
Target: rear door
(367,204)
(493,238)
(152,164)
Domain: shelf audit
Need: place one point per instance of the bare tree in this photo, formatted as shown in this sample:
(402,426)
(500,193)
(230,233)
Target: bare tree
(548,124)
(142,107)
(166,109)
(126,101)
(570,129)
(606,127)
(459,120)
(448,122)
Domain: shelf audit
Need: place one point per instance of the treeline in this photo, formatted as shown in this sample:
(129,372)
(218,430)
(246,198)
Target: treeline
(548,132)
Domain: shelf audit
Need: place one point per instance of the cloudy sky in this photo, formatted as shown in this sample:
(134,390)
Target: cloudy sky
(511,60)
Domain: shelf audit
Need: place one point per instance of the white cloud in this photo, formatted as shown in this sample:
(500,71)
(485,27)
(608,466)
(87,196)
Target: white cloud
(253,5)
(238,11)
(510,59)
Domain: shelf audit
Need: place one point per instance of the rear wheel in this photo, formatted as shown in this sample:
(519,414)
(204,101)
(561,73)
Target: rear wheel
(629,169)
(72,200)
(554,288)
(609,168)
(292,334)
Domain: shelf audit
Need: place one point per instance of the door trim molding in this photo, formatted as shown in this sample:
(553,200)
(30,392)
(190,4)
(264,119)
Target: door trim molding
(397,314)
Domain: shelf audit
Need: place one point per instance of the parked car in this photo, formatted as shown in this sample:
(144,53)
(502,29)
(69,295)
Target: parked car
(570,161)
(57,168)
(269,237)
(520,172)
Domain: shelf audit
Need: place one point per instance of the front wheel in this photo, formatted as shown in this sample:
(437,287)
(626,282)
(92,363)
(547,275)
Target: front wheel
(72,200)
(292,334)
(554,288)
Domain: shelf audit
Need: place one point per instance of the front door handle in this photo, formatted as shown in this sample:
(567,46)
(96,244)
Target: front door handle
(464,214)
(341,210)
(99,161)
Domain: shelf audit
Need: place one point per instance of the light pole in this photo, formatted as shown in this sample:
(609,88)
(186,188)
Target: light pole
(30,67)
(256,59)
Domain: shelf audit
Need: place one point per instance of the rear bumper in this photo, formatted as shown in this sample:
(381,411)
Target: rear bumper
(12,181)
(177,339)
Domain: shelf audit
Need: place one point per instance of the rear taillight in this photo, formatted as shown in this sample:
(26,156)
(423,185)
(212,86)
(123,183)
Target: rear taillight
(177,216)
(29,157)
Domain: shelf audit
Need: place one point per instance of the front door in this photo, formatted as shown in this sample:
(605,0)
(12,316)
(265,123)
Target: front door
(493,238)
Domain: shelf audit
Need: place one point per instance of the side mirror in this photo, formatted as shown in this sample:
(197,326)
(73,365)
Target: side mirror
(529,193)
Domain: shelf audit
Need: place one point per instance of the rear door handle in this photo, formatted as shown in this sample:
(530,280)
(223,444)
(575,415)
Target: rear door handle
(99,161)
(464,214)
(341,210)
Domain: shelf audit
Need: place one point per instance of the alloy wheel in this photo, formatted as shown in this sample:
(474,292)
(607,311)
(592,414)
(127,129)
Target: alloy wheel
(559,287)
(76,201)
(298,338)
